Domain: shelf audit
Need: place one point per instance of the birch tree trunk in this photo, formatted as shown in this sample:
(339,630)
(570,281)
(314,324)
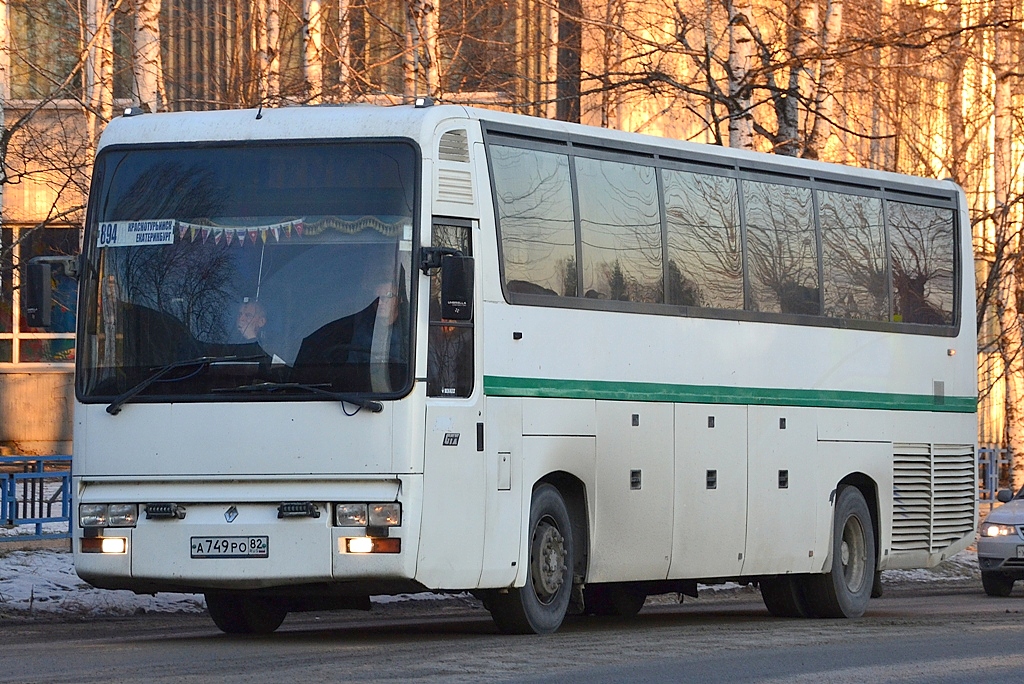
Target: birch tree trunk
(344,56)
(266,24)
(314,38)
(5,94)
(741,51)
(273,51)
(99,69)
(824,100)
(409,58)
(149,76)
(428,27)
(1009,297)
(800,44)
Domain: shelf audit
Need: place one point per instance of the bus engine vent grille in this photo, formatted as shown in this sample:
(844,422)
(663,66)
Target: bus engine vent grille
(933,496)
(454,146)
(454,186)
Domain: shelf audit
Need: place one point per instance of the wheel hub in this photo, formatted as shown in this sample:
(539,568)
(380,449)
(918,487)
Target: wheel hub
(548,561)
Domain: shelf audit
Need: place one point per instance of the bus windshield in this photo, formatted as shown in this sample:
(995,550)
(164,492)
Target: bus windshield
(281,267)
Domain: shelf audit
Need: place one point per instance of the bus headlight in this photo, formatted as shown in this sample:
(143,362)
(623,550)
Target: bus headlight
(368,514)
(122,515)
(350,515)
(108,515)
(385,515)
(996,530)
(92,515)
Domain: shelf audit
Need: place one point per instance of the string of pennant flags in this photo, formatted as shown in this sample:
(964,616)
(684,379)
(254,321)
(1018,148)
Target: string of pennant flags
(284,230)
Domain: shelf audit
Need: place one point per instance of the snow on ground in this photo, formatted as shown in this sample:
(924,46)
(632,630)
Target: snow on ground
(44,582)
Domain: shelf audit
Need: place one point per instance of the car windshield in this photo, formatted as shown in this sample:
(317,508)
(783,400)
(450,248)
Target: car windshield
(286,265)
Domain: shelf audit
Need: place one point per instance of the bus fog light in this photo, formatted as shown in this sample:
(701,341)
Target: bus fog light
(92,515)
(122,515)
(350,515)
(111,545)
(385,515)
(360,545)
(373,545)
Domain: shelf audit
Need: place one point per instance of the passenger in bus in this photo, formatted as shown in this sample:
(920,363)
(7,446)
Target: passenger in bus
(378,337)
(252,316)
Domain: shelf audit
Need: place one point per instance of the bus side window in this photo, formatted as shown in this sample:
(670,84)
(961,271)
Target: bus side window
(449,343)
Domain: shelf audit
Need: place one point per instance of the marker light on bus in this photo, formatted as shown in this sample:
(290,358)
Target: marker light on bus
(373,515)
(104,545)
(373,545)
(108,515)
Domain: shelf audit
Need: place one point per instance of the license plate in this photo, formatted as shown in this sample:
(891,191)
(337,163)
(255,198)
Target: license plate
(1020,552)
(230,547)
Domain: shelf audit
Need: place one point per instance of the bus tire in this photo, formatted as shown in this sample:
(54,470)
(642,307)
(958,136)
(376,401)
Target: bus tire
(844,591)
(622,600)
(996,583)
(786,595)
(540,605)
(234,614)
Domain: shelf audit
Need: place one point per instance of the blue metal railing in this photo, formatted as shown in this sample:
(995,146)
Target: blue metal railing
(35,491)
(993,467)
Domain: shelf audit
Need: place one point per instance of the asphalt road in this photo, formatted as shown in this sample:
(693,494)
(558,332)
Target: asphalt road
(922,632)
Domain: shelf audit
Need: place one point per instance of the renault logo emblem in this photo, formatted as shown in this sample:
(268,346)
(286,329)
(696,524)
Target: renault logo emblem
(231,514)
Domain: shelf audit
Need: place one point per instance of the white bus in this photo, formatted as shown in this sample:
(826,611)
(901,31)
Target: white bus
(332,352)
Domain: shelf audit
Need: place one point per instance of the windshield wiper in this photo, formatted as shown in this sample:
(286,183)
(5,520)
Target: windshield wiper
(115,406)
(368,404)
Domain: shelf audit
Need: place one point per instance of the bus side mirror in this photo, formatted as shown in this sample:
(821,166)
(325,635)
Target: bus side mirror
(1004,495)
(38,291)
(457,288)
(38,295)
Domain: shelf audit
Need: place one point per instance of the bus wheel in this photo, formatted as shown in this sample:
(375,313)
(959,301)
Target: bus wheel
(236,614)
(539,606)
(996,583)
(786,595)
(845,590)
(622,600)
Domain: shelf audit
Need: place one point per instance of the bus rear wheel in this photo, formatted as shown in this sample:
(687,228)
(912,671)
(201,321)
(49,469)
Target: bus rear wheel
(622,600)
(845,590)
(786,595)
(236,614)
(539,606)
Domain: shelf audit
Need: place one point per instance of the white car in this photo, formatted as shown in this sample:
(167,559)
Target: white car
(1001,546)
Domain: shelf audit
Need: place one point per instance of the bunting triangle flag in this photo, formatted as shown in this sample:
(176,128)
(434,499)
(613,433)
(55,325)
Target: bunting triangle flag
(217,235)
(299,228)
(182,229)
(206,234)
(252,235)
(277,233)
(229,235)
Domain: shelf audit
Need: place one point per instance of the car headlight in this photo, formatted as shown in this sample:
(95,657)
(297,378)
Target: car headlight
(996,530)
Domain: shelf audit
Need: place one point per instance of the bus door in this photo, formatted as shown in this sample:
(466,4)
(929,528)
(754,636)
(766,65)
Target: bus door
(452,531)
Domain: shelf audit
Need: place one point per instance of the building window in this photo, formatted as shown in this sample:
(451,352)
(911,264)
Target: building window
(20,343)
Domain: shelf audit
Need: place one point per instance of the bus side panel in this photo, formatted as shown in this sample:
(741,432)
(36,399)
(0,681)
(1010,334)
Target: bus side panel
(504,500)
(543,455)
(837,460)
(452,529)
(710,526)
(782,492)
(633,510)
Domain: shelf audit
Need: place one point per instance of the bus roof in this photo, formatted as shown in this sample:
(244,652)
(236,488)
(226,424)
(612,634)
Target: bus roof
(324,122)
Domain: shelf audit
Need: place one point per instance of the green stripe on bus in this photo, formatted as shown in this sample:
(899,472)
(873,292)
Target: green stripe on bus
(497,386)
